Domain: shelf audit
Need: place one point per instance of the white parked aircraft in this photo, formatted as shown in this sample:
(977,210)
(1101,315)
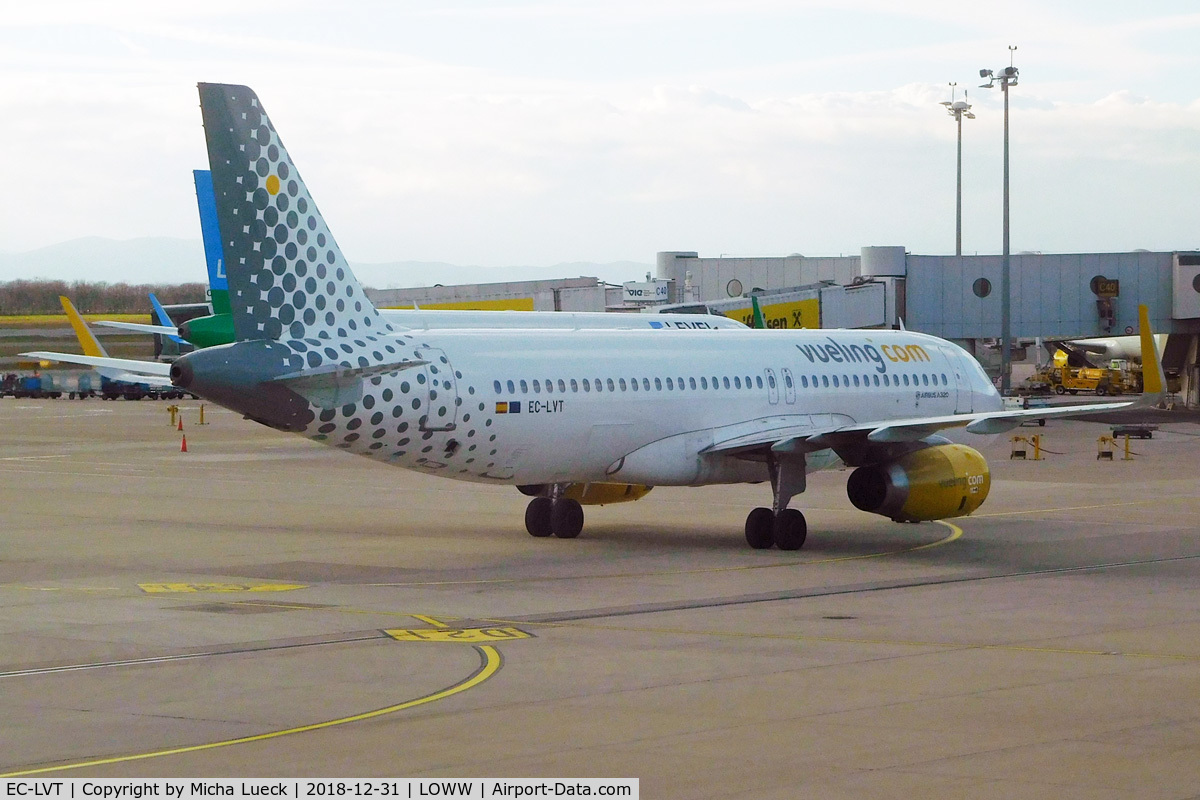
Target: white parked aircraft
(571,415)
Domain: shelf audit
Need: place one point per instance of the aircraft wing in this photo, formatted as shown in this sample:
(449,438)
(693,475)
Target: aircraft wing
(164,330)
(805,434)
(131,369)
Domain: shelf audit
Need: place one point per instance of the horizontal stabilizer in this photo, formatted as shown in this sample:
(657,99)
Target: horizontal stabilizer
(101,363)
(336,385)
(140,327)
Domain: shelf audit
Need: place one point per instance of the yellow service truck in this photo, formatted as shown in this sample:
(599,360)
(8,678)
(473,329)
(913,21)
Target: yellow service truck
(1073,380)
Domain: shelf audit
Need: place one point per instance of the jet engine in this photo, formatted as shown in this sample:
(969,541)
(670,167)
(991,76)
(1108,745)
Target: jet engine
(939,482)
(593,494)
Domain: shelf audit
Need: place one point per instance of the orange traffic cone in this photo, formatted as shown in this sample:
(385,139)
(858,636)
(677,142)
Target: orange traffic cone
(180,422)
(183,447)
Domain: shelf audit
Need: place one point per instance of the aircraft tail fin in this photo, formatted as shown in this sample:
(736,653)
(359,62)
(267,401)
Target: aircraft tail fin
(87,340)
(759,320)
(214,256)
(1154,381)
(164,318)
(288,279)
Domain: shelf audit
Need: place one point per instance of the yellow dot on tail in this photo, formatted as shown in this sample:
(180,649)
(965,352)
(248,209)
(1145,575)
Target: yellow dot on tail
(273,184)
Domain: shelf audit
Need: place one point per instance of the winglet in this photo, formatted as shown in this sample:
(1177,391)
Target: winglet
(1154,382)
(87,340)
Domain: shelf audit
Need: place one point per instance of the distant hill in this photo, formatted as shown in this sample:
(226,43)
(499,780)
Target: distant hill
(168,260)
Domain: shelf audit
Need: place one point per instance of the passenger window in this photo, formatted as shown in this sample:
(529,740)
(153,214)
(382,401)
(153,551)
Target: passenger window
(692,383)
(835,381)
(587,385)
(876,379)
(944,381)
(537,386)
(646,384)
(726,381)
(562,385)
(758,381)
(658,384)
(611,386)
(511,389)
(574,385)
(622,384)
(633,384)
(737,382)
(787,380)
(906,380)
(703,382)
(670,384)
(716,384)
(679,382)
(549,386)
(496,386)
(825,381)
(771,380)
(804,381)
(856,380)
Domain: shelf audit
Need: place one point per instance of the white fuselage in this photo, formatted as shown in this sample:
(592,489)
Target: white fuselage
(531,407)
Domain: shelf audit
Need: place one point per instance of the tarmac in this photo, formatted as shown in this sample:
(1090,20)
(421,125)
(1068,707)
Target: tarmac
(262,606)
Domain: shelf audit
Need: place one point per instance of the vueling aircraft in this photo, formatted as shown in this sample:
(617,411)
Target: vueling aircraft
(575,416)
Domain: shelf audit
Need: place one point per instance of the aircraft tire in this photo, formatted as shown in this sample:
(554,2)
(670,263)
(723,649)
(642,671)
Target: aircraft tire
(790,529)
(537,517)
(566,518)
(760,524)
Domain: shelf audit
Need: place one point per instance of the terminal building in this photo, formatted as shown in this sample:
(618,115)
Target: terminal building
(1053,296)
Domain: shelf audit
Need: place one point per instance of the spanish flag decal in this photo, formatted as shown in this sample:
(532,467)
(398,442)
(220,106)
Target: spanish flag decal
(511,407)
(501,408)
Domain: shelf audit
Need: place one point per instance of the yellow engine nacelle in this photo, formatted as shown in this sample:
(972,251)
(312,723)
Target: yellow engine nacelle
(601,494)
(949,480)
(594,494)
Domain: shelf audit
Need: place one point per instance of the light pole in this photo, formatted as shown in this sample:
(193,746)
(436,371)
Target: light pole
(958,109)
(1006,78)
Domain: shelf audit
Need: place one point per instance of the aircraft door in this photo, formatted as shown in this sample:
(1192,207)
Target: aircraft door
(439,389)
(960,387)
(772,387)
(789,386)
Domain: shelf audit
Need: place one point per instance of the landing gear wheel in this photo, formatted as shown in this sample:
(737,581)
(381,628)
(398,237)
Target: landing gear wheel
(760,524)
(566,518)
(537,517)
(790,529)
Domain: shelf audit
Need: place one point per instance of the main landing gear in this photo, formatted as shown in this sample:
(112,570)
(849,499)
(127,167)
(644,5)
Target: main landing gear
(560,516)
(786,530)
(780,526)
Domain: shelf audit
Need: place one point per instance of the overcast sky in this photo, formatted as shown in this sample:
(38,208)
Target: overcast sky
(533,133)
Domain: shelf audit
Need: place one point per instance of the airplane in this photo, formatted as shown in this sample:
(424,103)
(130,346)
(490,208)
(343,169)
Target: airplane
(217,328)
(1088,352)
(118,370)
(561,413)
